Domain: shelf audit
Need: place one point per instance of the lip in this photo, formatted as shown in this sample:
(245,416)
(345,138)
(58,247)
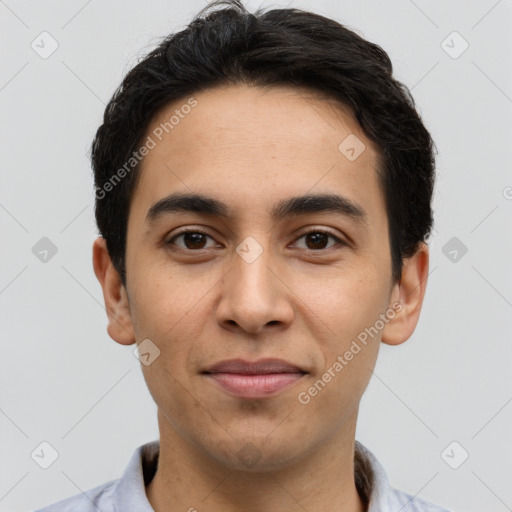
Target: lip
(258,379)
(260,367)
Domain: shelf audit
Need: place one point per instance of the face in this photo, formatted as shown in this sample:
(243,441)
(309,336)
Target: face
(236,277)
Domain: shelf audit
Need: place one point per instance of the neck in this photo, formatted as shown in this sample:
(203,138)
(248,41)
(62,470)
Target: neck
(190,480)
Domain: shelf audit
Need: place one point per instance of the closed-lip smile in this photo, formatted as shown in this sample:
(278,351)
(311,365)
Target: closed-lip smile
(258,379)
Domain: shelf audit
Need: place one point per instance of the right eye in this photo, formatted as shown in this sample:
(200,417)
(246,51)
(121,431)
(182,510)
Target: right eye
(193,240)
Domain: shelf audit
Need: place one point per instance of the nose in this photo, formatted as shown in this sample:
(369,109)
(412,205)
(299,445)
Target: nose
(254,297)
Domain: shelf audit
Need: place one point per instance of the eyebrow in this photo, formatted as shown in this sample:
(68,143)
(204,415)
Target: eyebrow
(293,206)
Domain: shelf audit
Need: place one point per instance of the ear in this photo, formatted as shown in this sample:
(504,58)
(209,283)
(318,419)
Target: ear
(406,298)
(120,326)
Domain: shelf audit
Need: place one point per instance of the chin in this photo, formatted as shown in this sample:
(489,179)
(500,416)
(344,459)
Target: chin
(257,455)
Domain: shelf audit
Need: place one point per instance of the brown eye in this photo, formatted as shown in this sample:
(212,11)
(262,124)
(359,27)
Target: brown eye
(192,240)
(319,240)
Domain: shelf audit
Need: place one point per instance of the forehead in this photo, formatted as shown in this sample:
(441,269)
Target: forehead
(251,146)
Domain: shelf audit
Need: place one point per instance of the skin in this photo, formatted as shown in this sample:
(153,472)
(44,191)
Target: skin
(250,147)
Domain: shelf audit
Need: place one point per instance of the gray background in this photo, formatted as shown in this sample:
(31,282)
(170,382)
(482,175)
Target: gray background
(64,381)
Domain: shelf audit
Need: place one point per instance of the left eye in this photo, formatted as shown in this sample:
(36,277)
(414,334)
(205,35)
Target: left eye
(317,240)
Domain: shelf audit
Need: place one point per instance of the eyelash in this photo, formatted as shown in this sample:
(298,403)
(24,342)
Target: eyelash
(339,242)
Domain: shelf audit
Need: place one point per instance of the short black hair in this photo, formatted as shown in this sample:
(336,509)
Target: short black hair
(226,45)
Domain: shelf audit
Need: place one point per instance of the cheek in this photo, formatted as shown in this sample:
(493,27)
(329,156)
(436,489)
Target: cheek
(162,297)
(343,303)
(348,308)
(171,309)
(170,321)
(332,397)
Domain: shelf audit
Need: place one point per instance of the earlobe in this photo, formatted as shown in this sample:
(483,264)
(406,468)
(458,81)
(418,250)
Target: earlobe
(120,327)
(407,297)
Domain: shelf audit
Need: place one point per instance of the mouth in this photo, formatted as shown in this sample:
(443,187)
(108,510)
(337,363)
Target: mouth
(257,379)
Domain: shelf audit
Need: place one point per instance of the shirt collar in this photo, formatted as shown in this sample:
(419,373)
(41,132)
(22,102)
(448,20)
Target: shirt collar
(369,471)
(130,490)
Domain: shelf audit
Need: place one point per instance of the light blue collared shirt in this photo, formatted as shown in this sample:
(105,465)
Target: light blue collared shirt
(128,494)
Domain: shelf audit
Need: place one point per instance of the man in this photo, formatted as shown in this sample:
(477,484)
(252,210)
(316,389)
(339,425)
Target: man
(263,192)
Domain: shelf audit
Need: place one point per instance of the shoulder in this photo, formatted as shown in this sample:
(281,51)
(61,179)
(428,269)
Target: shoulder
(99,498)
(396,498)
(373,483)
